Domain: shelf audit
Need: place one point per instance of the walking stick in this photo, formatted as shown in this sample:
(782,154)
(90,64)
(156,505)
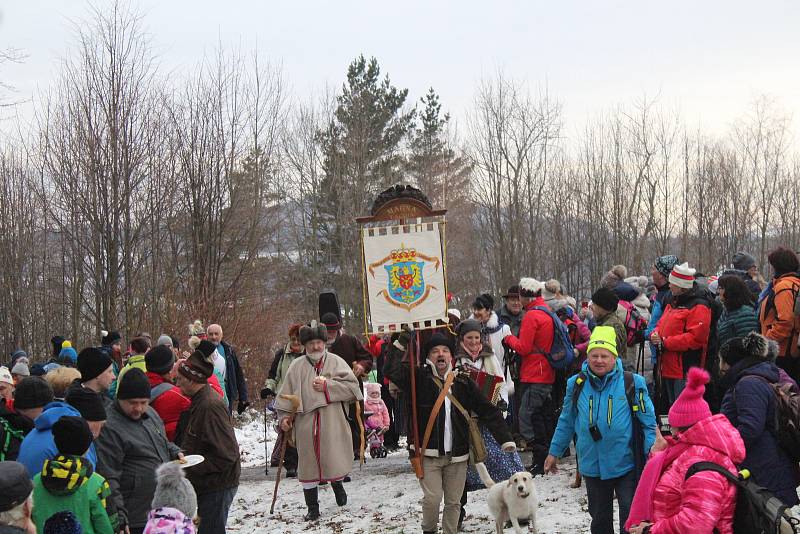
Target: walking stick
(295,402)
(266,445)
(416,461)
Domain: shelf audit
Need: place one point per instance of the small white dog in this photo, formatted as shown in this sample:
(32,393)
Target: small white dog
(511,500)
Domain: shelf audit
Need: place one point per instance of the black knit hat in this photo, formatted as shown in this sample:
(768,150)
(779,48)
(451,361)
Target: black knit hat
(32,392)
(159,359)
(436,340)
(89,403)
(92,362)
(198,367)
(71,435)
(15,485)
(63,522)
(606,299)
(109,338)
(206,347)
(134,385)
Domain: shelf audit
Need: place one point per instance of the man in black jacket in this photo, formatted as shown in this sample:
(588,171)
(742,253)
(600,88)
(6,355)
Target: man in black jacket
(446,453)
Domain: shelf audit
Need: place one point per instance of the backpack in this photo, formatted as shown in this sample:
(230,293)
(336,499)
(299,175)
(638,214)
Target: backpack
(757,510)
(635,324)
(636,405)
(561,352)
(10,441)
(787,417)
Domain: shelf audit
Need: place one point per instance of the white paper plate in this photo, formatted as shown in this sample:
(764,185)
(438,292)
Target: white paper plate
(191,459)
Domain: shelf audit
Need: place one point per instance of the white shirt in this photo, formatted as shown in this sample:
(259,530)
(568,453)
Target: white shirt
(219,362)
(448,428)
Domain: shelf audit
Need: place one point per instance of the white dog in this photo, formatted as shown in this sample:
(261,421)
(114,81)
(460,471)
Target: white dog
(511,500)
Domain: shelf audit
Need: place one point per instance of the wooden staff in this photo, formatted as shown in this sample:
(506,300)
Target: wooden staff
(412,365)
(295,402)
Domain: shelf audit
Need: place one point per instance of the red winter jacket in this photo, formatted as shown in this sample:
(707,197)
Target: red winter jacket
(535,339)
(169,405)
(706,500)
(684,329)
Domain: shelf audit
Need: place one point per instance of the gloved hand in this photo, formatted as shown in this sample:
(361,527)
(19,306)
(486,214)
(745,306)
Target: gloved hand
(505,342)
(267,393)
(502,405)
(404,338)
(241,406)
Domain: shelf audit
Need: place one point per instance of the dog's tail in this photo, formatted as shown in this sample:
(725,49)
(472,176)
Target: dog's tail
(484,474)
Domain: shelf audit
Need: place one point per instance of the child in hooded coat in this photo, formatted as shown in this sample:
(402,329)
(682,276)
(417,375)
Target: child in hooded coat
(373,403)
(68,481)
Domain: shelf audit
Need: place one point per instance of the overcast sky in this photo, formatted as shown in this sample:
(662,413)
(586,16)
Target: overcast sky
(709,59)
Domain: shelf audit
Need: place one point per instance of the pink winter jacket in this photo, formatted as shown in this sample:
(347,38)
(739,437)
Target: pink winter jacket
(706,500)
(380,414)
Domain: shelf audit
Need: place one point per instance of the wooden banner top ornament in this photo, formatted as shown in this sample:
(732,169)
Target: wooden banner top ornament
(403,262)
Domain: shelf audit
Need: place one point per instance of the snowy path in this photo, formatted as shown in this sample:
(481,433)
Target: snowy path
(383,497)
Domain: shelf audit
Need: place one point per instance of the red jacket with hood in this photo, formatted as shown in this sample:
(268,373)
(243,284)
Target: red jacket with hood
(535,339)
(169,405)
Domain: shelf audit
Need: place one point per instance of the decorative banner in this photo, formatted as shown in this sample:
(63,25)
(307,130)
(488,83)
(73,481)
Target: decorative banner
(404,271)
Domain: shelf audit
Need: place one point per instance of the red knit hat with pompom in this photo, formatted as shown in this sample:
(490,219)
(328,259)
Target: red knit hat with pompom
(690,407)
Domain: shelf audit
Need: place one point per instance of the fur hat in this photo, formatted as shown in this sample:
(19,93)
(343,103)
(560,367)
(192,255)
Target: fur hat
(530,287)
(92,362)
(173,490)
(196,328)
(617,274)
(682,276)
(71,435)
(438,339)
(690,407)
(313,331)
(753,345)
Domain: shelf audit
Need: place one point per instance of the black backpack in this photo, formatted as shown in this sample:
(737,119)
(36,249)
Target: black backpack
(635,405)
(757,510)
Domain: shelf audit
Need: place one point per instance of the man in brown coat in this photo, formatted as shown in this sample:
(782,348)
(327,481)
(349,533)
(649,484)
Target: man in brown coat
(205,428)
(323,383)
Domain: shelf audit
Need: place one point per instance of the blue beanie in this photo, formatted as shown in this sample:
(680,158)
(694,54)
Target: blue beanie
(68,355)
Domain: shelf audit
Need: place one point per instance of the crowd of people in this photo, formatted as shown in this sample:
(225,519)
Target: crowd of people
(662,372)
(101,441)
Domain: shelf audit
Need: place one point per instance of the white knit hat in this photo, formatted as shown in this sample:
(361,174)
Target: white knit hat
(682,276)
(5,375)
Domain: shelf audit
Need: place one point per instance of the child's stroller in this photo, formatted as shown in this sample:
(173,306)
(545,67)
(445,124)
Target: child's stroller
(375,441)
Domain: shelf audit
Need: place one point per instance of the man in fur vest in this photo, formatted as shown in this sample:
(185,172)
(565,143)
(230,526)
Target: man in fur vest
(323,384)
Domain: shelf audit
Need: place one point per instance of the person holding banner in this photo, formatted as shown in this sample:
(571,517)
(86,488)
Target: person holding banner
(446,450)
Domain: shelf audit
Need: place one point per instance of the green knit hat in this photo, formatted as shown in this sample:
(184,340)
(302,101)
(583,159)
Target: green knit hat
(603,337)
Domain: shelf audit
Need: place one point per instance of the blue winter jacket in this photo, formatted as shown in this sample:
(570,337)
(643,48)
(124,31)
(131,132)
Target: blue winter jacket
(602,401)
(749,404)
(656,311)
(39,445)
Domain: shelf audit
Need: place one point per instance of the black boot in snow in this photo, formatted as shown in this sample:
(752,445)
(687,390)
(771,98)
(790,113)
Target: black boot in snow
(312,503)
(341,494)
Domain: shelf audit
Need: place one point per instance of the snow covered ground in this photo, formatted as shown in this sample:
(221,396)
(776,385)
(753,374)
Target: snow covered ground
(384,496)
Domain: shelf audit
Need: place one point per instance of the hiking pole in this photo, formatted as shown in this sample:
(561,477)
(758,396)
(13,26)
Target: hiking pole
(295,402)
(266,444)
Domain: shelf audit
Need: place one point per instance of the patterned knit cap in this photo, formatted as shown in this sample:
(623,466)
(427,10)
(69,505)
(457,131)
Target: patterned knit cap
(664,264)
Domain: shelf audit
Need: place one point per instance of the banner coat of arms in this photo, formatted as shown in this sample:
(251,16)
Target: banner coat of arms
(404,275)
